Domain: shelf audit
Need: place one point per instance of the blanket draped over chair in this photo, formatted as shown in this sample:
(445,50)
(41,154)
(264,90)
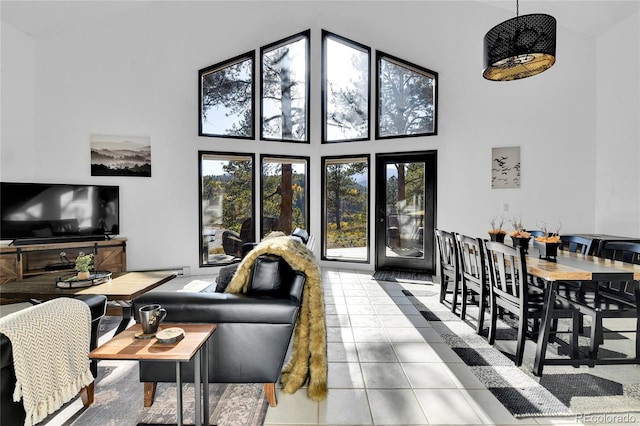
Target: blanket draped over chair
(50,345)
(309,352)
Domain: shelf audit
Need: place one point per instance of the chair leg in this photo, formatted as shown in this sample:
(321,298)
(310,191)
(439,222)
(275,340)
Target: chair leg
(481,308)
(454,303)
(522,330)
(463,310)
(493,323)
(87,394)
(443,287)
(577,320)
(596,336)
(149,393)
(270,393)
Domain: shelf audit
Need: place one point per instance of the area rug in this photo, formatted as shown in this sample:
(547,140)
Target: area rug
(403,276)
(119,401)
(562,390)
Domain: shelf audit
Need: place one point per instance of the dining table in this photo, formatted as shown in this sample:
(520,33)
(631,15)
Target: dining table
(575,268)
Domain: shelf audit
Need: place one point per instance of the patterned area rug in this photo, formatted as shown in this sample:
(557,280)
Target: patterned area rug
(119,401)
(562,390)
(403,276)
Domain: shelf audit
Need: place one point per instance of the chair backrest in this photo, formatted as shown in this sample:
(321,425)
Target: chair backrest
(575,244)
(626,252)
(618,250)
(507,274)
(535,234)
(448,250)
(472,259)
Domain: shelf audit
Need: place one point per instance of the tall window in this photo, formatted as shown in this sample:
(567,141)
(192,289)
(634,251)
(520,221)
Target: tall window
(226,206)
(407,98)
(226,98)
(345,182)
(285,89)
(285,201)
(345,89)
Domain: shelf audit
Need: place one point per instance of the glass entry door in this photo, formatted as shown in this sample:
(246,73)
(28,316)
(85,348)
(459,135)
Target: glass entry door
(405,206)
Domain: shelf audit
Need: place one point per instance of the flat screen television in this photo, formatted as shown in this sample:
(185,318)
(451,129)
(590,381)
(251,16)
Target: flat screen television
(33,213)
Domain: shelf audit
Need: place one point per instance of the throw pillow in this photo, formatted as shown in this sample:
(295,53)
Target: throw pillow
(267,275)
(224,277)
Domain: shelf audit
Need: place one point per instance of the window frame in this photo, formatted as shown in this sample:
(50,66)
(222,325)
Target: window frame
(307,203)
(323,230)
(304,35)
(324,85)
(251,55)
(413,68)
(201,154)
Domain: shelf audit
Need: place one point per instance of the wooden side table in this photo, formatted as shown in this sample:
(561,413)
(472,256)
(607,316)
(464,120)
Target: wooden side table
(125,346)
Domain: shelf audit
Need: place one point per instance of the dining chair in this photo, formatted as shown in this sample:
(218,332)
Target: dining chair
(535,234)
(575,244)
(474,276)
(609,299)
(449,266)
(510,290)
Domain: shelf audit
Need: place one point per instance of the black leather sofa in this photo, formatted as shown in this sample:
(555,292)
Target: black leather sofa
(12,413)
(254,329)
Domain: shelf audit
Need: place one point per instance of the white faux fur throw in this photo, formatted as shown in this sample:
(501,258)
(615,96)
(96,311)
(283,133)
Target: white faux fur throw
(50,345)
(309,354)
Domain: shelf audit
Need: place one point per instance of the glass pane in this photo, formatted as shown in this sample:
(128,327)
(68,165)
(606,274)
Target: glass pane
(346,91)
(226,206)
(284,91)
(406,99)
(284,194)
(227,99)
(405,210)
(346,183)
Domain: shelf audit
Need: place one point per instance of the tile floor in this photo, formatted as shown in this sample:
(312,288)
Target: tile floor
(387,366)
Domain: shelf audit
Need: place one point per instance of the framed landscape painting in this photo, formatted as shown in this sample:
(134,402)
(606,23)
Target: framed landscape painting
(120,155)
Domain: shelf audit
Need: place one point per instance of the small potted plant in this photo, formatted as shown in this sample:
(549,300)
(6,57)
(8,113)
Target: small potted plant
(519,236)
(84,263)
(548,243)
(496,233)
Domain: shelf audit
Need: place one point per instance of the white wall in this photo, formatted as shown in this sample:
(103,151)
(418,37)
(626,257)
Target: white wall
(16,104)
(618,129)
(136,74)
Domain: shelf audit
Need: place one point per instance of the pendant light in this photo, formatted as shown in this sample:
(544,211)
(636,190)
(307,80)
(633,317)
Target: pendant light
(520,47)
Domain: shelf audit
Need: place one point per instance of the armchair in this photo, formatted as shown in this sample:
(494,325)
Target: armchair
(13,412)
(254,329)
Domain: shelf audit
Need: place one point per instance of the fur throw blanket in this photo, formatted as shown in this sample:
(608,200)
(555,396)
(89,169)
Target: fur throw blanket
(309,354)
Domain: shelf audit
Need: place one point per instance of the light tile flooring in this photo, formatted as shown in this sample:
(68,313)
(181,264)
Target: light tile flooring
(388,366)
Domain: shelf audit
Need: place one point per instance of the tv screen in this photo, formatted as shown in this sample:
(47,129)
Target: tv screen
(45,211)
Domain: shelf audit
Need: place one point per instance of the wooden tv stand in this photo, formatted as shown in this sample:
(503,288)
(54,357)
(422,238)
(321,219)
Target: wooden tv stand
(23,261)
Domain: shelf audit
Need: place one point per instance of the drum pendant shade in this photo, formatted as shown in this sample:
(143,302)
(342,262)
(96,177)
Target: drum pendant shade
(520,47)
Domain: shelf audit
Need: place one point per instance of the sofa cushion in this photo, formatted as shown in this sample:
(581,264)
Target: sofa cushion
(268,275)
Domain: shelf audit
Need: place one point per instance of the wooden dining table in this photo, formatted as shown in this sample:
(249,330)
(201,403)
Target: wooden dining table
(574,267)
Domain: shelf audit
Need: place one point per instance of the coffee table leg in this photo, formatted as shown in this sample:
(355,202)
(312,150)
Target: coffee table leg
(126,316)
(197,379)
(179,392)
(205,380)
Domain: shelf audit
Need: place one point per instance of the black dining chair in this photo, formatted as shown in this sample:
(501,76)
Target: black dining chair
(575,244)
(473,276)
(609,299)
(449,266)
(510,290)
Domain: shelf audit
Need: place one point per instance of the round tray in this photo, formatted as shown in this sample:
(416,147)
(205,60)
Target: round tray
(71,280)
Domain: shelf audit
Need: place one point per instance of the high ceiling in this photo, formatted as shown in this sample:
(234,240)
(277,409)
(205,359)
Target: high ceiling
(45,17)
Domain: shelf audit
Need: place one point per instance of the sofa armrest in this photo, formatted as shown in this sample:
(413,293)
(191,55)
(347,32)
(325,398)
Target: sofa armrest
(220,307)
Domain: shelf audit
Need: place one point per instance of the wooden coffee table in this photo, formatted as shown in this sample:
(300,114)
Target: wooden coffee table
(125,346)
(124,287)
